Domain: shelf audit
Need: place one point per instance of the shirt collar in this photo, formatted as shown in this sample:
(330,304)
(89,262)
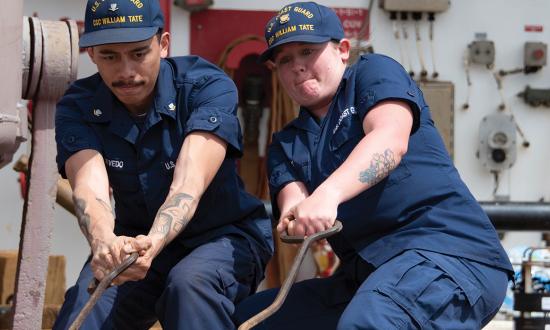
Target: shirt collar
(100,107)
(306,121)
(106,108)
(347,74)
(164,100)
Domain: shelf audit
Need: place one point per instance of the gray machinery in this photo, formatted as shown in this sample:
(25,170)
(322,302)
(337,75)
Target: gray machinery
(38,62)
(400,11)
(497,132)
(497,142)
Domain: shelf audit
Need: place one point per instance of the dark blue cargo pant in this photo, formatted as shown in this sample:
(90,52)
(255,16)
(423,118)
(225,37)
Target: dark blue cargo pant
(414,290)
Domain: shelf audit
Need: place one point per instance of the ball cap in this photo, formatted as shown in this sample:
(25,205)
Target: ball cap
(301,22)
(112,21)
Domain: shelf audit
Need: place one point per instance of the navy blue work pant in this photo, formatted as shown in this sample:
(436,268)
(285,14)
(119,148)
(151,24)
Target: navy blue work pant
(414,290)
(199,291)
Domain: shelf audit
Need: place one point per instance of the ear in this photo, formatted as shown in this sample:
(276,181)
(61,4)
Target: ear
(90,51)
(164,44)
(344,48)
(270,65)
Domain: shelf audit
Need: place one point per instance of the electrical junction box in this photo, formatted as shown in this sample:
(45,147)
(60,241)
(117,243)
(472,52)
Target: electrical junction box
(497,142)
(535,54)
(440,98)
(482,52)
(426,6)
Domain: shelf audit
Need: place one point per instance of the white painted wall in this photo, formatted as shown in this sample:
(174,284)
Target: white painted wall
(502,20)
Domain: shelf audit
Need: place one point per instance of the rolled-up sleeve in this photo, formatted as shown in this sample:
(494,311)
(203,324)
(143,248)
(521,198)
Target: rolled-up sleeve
(380,78)
(214,110)
(72,134)
(280,173)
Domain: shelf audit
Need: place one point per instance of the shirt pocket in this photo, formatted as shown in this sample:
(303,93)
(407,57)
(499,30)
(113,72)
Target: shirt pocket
(346,135)
(344,140)
(168,166)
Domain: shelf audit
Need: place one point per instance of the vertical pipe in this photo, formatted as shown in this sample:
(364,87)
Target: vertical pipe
(11,16)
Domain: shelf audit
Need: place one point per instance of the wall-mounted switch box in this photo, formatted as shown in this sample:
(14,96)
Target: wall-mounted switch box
(535,54)
(482,52)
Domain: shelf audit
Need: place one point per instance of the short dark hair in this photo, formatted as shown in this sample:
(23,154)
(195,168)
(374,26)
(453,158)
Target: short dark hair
(159,34)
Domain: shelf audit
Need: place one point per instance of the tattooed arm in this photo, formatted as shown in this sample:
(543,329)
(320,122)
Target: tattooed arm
(198,162)
(387,127)
(88,178)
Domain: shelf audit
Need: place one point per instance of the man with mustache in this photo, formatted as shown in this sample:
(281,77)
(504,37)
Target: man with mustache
(416,249)
(164,135)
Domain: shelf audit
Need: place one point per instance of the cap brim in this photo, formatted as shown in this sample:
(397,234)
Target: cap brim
(268,53)
(115,36)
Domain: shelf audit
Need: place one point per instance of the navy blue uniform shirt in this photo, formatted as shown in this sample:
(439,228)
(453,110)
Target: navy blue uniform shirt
(422,204)
(140,155)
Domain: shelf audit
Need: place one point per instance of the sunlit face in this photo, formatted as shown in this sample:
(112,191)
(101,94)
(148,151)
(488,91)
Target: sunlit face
(130,70)
(311,73)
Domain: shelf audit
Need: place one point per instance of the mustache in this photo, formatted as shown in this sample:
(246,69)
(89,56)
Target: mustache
(122,83)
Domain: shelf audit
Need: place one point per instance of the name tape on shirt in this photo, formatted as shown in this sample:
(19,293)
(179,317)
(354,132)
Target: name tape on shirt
(113,163)
(346,113)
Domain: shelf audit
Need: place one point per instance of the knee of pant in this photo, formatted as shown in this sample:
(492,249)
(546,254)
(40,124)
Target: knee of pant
(253,305)
(189,282)
(372,310)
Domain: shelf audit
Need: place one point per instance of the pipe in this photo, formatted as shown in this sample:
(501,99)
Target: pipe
(64,196)
(523,216)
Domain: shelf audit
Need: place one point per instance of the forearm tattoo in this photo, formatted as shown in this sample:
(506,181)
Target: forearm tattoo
(106,206)
(83,217)
(174,215)
(380,167)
